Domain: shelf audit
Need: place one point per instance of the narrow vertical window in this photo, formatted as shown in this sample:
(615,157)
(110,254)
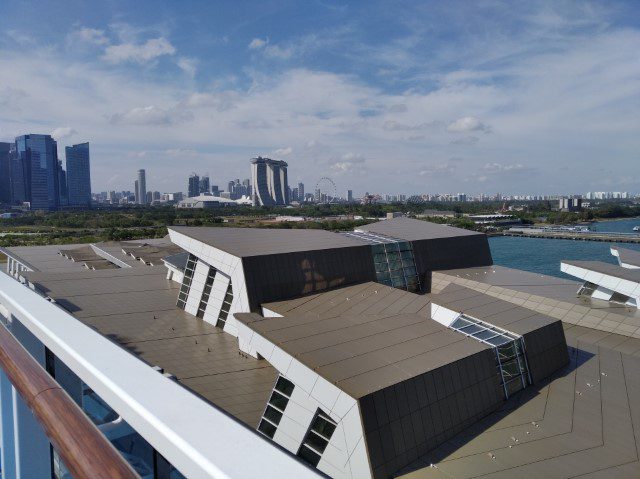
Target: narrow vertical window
(275,407)
(186,281)
(317,438)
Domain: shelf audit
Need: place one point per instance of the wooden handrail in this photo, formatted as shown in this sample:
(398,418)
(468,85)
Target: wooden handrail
(85,451)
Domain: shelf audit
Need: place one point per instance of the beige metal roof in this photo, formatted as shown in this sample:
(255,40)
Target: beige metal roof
(490,309)
(628,256)
(608,269)
(415,230)
(136,307)
(242,242)
(45,258)
(584,422)
(548,295)
(363,338)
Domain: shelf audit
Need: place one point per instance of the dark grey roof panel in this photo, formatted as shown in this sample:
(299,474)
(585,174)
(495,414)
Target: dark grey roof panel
(243,242)
(584,422)
(178,260)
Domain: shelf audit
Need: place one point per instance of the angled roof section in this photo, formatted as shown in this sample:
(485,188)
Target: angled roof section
(136,308)
(246,242)
(608,269)
(627,256)
(363,338)
(415,230)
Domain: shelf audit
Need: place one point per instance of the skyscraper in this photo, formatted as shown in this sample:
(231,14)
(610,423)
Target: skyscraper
(350,196)
(205,187)
(301,192)
(270,182)
(5,173)
(194,186)
(78,175)
(136,191)
(142,188)
(62,185)
(38,158)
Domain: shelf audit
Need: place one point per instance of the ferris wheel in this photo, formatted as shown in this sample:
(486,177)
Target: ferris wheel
(329,187)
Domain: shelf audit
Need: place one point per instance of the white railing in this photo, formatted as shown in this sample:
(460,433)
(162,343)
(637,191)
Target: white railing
(197,438)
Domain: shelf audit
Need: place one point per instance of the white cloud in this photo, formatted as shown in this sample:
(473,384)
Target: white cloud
(467,124)
(551,112)
(149,115)
(219,101)
(278,52)
(63,133)
(271,51)
(349,163)
(181,152)
(465,140)
(257,43)
(392,125)
(283,151)
(90,35)
(188,65)
(20,37)
(439,169)
(506,168)
(130,52)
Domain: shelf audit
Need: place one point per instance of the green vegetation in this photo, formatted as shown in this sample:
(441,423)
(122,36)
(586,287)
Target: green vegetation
(66,227)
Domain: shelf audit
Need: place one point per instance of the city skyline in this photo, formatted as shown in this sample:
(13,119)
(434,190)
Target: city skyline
(531,98)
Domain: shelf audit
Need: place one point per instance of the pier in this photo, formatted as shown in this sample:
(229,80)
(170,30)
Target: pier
(575,235)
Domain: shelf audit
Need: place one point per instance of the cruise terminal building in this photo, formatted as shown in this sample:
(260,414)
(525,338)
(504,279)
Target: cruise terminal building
(394,350)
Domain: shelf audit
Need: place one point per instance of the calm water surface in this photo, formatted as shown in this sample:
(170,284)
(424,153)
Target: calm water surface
(543,256)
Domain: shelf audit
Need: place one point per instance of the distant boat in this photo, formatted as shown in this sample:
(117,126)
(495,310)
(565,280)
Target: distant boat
(636,228)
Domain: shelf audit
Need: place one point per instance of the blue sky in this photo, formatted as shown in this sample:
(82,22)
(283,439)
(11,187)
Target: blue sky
(392,97)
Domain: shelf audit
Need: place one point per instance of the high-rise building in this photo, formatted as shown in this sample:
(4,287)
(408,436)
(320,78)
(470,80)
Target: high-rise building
(215,190)
(193,188)
(38,158)
(350,196)
(18,176)
(204,185)
(301,192)
(270,182)
(62,185)
(142,187)
(78,175)
(136,190)
(5,173)
(246,184)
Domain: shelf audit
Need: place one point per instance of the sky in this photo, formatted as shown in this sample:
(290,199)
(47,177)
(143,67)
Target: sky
(530,97)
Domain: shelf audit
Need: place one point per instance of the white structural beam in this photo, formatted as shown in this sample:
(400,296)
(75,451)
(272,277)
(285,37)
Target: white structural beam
(199,439)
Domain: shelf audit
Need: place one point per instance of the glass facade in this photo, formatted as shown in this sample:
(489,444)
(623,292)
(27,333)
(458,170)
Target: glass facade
(226,307)
(317,438)
(393,260)
(5,173)
(78,175)
(275,407)
(508,347)
(39,158)
(186,281)
(206,292)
